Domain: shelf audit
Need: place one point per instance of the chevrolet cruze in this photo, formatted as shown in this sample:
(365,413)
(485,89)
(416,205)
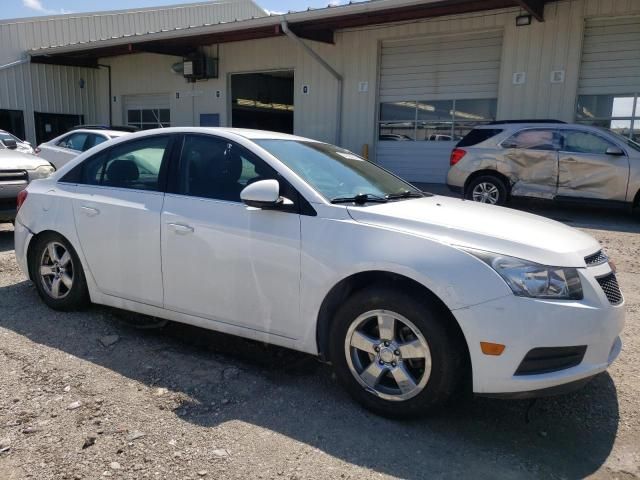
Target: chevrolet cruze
(308,246)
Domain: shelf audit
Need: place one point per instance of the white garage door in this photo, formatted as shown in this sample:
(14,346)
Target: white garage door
(610,56)
(147,111)
(432,91)
(609,85)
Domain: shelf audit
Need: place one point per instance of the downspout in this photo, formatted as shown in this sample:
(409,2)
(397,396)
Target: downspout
(15,63)
(285,29)
(108,67)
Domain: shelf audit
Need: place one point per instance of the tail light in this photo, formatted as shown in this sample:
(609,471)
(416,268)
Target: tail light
(456,156)
(22,196)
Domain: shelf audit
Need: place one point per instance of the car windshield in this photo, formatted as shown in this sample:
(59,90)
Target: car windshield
(337,173)
(627,141)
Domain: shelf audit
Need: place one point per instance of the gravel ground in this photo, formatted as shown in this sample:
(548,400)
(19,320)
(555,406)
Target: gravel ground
(87,395)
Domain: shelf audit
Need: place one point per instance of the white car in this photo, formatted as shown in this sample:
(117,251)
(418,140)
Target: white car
(305,245)
(12,142)
(66,147)
(17,169)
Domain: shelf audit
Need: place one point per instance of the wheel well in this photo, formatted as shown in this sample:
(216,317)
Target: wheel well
(345,288)
(493,173)
(30,249)
(636,201)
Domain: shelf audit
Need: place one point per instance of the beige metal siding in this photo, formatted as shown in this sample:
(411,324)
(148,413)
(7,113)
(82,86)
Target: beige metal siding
(56,89)
(610,56)
(441,67)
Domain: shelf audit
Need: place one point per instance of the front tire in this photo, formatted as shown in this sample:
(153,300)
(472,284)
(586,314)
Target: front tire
(57,273)
(487,189)
(394,354)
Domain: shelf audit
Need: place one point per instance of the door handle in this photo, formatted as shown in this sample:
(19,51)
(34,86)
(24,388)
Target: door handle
(90,211)
(180,229)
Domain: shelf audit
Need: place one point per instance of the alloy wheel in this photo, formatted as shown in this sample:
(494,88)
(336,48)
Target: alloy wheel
(388,355)
(56,270)
(486,192)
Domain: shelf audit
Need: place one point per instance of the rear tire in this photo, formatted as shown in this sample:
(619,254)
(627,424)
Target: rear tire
(57,273)
(488,189)
(402,368)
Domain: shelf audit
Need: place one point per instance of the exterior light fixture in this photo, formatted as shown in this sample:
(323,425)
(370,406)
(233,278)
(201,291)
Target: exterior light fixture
(523,20)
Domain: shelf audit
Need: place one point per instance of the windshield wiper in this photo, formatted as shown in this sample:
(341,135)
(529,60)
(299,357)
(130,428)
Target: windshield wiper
(405,194)
(360,199)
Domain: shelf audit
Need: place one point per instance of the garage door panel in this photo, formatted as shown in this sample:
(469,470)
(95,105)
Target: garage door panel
(490,43)
(486,77)
(611,56)
(491,65)
(451,68)
(463,57)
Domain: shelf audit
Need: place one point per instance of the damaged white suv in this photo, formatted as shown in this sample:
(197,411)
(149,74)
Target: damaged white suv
(306,245)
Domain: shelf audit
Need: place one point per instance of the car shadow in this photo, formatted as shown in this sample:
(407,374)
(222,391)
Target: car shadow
(222,378)
(6,237)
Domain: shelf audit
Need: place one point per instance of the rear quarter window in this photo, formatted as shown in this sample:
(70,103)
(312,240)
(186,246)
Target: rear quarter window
(478,135)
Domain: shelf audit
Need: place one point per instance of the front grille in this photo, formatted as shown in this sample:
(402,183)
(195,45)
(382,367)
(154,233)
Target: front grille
(597,258)
(551,359)
(609,284)
(14,176)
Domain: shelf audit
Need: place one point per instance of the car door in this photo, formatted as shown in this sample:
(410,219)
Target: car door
(530,160)
(588,171)
(117,208)
(222,260)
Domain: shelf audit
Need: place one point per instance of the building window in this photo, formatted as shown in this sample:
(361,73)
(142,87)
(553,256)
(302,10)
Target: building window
(620,113)
(148,118)
(433,121)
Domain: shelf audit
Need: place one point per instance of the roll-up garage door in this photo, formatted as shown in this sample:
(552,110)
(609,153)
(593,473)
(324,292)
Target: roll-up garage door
(432,90)
(610,57)
(147,111)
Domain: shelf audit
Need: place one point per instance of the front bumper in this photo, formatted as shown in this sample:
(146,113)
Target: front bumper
(524,324)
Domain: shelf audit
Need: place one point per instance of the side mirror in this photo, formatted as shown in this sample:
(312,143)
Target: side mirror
(263,194)
(615,152)
(509,144)
(10,143)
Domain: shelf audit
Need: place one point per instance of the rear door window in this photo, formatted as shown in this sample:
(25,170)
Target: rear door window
(534,139)
(94,140)
(75,141)
(136,165)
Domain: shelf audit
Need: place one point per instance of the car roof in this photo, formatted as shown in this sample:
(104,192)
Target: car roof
(109,133)
(249,134)
(524,125)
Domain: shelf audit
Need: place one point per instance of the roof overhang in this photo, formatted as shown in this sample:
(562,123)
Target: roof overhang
(318,25)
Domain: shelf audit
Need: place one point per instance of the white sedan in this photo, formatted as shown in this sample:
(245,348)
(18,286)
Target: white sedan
(306,245)
(68,146)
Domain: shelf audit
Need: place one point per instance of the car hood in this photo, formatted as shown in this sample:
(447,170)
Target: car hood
(14,160)
(483,227)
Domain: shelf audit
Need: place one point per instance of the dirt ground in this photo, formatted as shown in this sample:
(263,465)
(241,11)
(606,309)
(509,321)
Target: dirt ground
(86,396)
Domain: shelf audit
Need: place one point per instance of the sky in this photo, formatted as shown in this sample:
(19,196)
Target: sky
(30,8)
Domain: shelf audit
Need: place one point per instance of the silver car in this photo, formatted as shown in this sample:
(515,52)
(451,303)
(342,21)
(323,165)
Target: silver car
(555,161)
(17,169)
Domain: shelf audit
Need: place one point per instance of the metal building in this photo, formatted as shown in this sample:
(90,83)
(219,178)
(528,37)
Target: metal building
(401,80)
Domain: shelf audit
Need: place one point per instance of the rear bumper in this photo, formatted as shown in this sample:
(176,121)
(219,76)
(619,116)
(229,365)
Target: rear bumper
(22,237)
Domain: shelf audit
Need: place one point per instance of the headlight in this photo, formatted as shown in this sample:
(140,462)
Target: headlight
(528,279)
(42,172)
